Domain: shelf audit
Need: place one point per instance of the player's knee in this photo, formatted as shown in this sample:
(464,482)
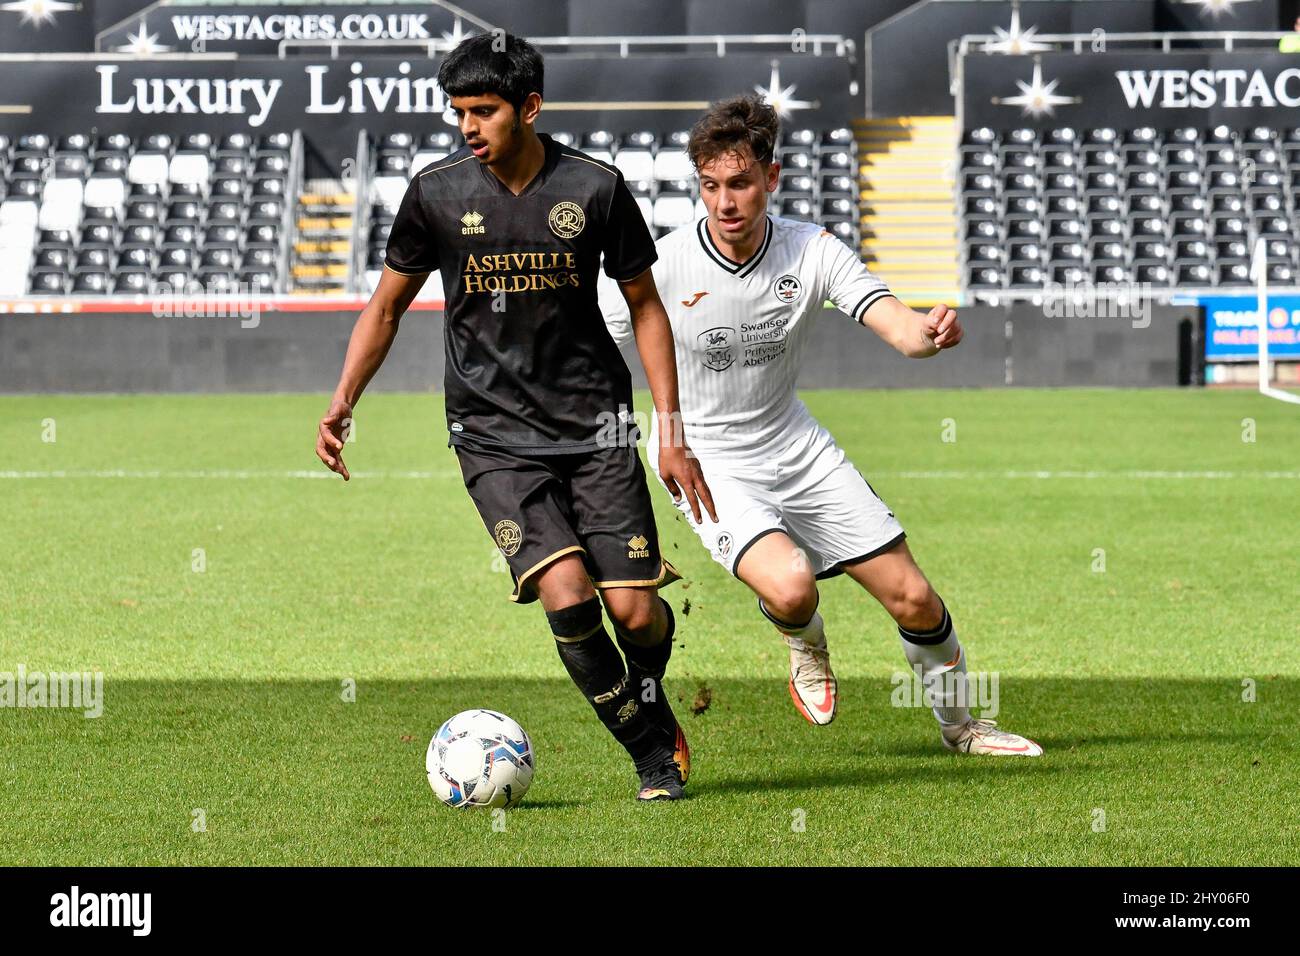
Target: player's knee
(564,584)
(636,618)
(792,601)
(916,606)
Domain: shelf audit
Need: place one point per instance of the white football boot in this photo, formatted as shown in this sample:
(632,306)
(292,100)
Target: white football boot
(979,736)
(812,682)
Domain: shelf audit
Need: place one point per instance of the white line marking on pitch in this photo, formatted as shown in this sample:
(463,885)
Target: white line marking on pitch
(237,474)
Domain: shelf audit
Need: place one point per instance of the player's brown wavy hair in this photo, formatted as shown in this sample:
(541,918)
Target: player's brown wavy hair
(736,124)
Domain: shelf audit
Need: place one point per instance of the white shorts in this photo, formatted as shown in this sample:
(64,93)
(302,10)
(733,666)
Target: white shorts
(807,488)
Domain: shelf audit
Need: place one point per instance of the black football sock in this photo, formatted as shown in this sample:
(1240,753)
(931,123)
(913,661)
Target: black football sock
(650,660)
(596,668)
(648,663)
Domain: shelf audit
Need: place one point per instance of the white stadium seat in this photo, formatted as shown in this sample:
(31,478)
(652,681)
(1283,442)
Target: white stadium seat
(18,216)
(646,207)
(18,220)
(673,164)
(389,190)
(635,164)
(426,158)
(106,191)
(673,211)
(147,168)
(61,204)
(189,168)
(604,155)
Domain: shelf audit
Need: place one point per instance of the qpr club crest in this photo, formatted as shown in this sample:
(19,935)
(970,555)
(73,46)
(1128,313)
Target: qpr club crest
(719,347)
(787,289)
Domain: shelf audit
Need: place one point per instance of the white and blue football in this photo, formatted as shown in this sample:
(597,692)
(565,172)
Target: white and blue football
(480,758)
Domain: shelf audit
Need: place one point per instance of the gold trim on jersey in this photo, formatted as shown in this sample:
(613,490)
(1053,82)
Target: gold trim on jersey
(438,169)
(600,166)
(408,274)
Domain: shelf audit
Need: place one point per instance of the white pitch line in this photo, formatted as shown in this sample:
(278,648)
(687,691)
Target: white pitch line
(221,474)
(1068,474)
(249,474)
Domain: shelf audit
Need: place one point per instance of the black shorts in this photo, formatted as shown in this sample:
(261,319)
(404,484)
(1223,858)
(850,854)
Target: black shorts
(540,507)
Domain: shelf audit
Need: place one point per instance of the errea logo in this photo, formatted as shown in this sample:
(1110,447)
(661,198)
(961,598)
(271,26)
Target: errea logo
(638,547)
(472,224)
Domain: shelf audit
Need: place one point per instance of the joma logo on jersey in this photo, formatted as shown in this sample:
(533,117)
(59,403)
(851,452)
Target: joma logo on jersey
(787,289)
(638,547)
(719,347)
(472,224)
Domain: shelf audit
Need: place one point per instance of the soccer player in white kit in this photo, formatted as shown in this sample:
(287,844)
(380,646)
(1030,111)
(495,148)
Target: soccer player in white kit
(743,289)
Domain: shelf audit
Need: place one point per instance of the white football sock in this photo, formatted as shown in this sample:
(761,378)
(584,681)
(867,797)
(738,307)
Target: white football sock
(813,633)
(937,654)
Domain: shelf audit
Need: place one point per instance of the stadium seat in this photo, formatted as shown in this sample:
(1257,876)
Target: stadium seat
(672,163)
(91,283)
(127,281)
(150,168)
(49,282)
(673,211)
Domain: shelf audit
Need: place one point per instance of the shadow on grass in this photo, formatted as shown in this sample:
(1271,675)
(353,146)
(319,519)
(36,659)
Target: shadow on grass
(749,730)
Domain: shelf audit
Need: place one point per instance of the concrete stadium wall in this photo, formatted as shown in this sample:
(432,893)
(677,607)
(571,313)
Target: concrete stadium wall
(303,352)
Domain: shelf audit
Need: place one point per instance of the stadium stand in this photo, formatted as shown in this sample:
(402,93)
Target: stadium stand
(818,180)
(115,216)
(1173,207)
(109,214)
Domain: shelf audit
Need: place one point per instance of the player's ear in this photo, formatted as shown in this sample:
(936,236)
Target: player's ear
(532,105)
(773,176)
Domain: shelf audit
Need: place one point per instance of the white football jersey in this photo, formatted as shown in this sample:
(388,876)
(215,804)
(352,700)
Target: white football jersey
(740,328)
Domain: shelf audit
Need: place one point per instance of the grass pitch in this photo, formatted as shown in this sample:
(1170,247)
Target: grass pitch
(225,666)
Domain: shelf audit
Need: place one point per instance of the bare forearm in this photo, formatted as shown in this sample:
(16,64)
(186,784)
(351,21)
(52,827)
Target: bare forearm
(372,336)
(909,335)
(902,327)
(654,343)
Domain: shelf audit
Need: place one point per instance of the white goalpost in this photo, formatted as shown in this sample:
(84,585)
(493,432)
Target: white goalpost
(1259,266)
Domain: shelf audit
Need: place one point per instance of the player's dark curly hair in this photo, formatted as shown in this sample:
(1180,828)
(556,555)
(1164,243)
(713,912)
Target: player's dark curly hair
(498,63)
(733,125)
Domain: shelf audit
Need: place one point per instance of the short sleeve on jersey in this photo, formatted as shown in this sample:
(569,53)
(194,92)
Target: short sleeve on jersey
(411,250)
(629,248)
(849,283)
(614,309)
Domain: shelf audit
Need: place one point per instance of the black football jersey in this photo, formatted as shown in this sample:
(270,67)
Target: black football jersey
(530,362)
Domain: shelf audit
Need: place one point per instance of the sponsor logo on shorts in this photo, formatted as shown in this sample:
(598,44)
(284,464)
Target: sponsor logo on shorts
(472,224)
(719,347)
(787,289)
(638,547)
(724,544)
(508,536)
(626,711)
(566,219)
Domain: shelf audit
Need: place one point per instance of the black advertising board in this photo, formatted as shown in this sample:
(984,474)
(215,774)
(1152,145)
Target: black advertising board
(1133,88)
(332,100)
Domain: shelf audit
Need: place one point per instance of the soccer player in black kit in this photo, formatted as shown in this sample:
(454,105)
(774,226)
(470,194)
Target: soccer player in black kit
(517,225)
